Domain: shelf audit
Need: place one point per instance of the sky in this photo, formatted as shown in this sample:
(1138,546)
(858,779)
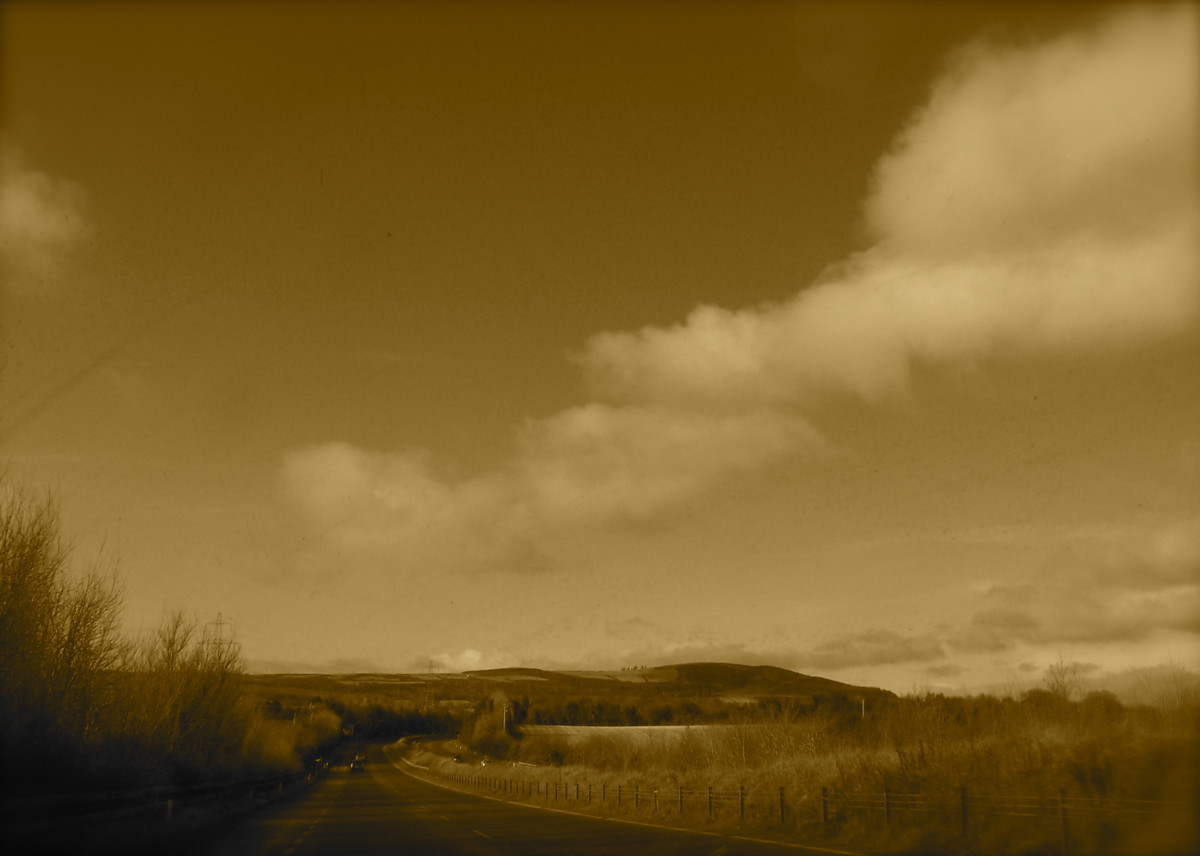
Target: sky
(861,339)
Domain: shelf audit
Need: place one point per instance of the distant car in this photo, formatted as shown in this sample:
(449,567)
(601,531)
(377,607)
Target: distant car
(357,763)
(458,759)
(483,763)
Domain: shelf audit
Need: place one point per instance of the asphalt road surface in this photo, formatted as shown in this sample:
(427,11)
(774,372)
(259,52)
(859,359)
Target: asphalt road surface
(383,810)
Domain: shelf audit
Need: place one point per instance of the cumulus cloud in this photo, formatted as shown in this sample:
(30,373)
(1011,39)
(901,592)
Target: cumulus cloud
(42,223)
(588,466)
(1019,149)
(1044,199)
(633,462)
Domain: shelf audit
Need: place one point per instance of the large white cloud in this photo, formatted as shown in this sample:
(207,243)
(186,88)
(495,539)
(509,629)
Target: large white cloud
(600,463)
(588,466)
(1045,198)
(42,222)
(1018,149)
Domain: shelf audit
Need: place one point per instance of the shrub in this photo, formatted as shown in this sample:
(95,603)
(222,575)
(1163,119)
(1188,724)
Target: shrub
(81,707)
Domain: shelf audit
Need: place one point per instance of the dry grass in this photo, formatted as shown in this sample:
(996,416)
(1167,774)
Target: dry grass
(1096,750)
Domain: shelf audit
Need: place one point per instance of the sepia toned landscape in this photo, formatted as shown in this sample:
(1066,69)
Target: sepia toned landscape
(507,427)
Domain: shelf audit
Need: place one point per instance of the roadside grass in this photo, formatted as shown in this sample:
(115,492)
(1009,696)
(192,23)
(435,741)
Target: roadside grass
(1095,753)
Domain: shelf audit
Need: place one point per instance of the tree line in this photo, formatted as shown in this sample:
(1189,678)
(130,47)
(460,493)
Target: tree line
(83,707)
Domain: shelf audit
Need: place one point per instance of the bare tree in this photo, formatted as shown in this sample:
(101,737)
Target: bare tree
(1063,678)
(58,635)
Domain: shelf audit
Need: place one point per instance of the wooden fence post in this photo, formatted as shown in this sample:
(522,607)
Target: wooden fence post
(710,800)
(618,796)
(604,793)
(781,804)
(824,809)
(741,803)
(962,810)
(589,793)
(887,809)
(656,800)
(681,799)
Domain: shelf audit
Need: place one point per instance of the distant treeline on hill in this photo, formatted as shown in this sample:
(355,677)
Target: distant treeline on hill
(635,710)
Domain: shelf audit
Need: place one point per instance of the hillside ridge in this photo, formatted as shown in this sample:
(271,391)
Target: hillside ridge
(713,677)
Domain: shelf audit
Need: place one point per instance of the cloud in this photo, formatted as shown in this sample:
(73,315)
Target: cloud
(1019,149)
(872,648)
(342,666)
(471,660)
(588,466)
(42,222)
(1123,588)
(603,462)
(1043,200)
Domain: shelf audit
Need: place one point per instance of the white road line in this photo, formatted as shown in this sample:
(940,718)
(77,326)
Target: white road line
(788,844)
(481,834)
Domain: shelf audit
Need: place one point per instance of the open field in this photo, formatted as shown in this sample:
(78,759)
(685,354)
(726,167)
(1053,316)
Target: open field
(635,737)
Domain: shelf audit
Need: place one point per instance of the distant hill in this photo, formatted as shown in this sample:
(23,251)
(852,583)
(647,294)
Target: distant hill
(716,679)
(707,687)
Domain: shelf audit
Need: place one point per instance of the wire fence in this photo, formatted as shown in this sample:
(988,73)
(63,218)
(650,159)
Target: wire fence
(1064,823)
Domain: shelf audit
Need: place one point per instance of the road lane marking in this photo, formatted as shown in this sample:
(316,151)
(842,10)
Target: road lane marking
(317,795)
(788,844)
(481,834)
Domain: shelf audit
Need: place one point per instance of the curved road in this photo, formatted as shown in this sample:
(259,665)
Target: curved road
(383,810)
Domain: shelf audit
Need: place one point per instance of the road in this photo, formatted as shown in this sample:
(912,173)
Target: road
(383,810)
